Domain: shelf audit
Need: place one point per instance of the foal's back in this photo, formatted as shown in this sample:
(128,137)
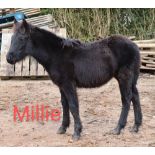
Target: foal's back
(96,63)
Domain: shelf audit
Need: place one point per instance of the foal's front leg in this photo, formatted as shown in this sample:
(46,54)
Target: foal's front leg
(66,118)
(71,95)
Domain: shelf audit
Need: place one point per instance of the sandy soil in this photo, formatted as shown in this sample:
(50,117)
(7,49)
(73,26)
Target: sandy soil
(99,108)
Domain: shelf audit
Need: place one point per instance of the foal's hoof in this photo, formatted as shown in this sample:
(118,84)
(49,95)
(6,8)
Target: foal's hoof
(134,129)
(61,130)
(75,137)
(115,131)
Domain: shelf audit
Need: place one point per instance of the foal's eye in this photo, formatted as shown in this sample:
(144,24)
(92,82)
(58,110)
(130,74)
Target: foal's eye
(21,39)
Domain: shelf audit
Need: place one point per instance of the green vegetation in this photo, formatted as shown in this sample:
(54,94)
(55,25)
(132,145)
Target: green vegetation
(89,24)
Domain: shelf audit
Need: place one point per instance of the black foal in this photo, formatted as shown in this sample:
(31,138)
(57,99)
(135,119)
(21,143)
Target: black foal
(71,64)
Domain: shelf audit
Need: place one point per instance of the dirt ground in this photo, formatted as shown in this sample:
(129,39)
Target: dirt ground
(99,108)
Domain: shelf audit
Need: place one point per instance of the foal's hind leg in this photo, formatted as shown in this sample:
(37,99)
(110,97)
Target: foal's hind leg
(137,109)
(125,84)
(66,118)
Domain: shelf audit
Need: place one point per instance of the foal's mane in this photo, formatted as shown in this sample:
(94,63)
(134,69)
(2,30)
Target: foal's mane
(57,41)
(46,36)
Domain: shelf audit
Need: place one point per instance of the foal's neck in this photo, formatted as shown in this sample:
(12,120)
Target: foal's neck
(46,39)
(46,45)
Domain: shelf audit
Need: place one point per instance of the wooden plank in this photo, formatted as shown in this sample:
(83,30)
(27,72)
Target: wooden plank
(147,68)
(147,52)
(29,12)
(151,65)
(147,61)
(38,17)
(25,9)
(6,25)
(148,58)
(40,70)
(62,32)
(32,13)
(18,69)
(131,37)
(45,73)
(50,18)
(144,41)
(33,67)
(6,11)
(25,66)
(6,68)
(39,24)
(146,45)
(144,54)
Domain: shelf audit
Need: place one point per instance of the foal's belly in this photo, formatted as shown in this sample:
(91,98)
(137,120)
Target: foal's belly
(91,77)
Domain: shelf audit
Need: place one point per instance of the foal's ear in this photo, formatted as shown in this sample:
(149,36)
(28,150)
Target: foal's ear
(15,21)
(25,24)
(24,27)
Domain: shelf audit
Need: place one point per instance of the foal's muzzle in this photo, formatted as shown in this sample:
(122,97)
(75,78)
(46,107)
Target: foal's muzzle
(10,58)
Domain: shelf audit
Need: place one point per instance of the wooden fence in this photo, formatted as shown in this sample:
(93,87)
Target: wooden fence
(29,67)
(147,51)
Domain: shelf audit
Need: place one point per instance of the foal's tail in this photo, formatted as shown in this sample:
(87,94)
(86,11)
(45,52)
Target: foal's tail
(136,64)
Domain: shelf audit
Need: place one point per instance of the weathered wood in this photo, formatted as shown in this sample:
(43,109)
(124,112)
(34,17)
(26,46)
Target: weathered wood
(147,52)
(40,17)
(144,41)
(45,73)
(6,25)
(131,37)
(151,65)
(148,58)
(40,70)
(25,66)
(144,54)
(29,11)
(6,69)
(147,61)
(33,67)
(29,66)
(146,45)
(62,32)
(18,69)
(147,68)
(6,11)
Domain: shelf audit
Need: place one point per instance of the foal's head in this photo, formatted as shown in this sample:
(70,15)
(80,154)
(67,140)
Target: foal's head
(30,40)
(20,42)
